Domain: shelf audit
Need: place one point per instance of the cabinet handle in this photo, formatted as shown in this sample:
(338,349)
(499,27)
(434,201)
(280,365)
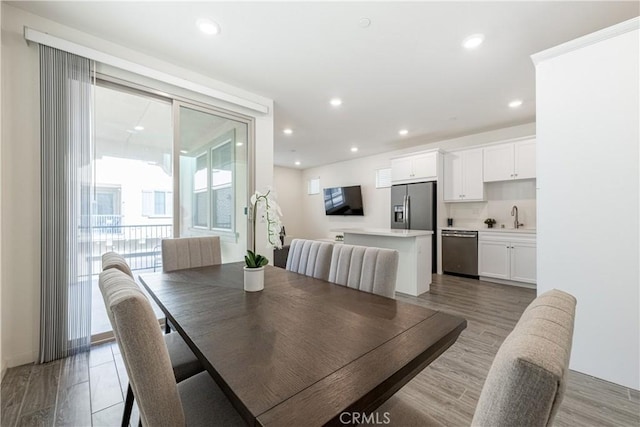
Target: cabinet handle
(516,174)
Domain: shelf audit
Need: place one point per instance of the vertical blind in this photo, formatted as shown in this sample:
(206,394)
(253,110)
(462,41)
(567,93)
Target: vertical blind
(65,127)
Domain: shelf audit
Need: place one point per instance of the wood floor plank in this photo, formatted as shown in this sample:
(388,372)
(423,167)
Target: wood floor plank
(75,370)
(40,418)
(74,405)
(43,388)
(14,386)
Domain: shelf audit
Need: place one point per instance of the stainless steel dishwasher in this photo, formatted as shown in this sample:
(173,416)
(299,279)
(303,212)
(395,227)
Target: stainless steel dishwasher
(460,252)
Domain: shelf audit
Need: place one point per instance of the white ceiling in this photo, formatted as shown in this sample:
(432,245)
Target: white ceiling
(406,70)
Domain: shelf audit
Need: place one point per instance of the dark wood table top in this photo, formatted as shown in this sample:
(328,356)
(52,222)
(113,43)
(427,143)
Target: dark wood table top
(303,350)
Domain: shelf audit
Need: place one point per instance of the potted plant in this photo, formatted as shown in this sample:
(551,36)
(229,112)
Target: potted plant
(265,207)
(489,222)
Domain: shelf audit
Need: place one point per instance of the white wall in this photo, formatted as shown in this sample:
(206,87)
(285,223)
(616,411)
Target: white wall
(588,214)
(2,362)
(289,188)
(361,171)
(20,167)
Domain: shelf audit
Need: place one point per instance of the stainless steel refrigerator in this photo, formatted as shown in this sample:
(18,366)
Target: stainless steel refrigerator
(413,207)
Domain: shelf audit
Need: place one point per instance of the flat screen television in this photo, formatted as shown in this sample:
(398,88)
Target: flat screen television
(343,201)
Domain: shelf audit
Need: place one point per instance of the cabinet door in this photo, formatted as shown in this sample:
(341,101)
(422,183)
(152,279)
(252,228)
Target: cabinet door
(493,259)
(452,177)
(472,176)
(525,159)
(401,169)
(523,262)
(498,163)
(425,166)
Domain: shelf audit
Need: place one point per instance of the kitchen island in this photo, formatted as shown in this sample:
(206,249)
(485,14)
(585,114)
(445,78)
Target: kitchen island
(413,246)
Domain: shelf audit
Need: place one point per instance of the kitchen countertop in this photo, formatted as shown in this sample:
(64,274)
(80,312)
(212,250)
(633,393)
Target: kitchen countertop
(387,232)
(493,230)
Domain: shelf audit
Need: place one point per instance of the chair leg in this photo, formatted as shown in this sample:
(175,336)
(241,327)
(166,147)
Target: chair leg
(167,327)
(128,407)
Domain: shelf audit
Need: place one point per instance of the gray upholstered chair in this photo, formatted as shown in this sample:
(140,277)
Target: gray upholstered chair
(115,260)
(365,268)
(310,257)
(196,401)
(528,377)
(185,364)
(190,252)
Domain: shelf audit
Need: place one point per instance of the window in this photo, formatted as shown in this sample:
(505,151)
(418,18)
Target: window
(313,186)
(157,203)
(383,178)
(215,209)
(222,186)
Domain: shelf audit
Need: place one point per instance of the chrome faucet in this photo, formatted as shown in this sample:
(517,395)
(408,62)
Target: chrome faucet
(514,212)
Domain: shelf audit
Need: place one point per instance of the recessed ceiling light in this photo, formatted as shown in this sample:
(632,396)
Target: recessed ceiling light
(354,149)
(238,144)
(473,41)
(297,163)
(403,132)
(515,103)
(288,131)
(184,151)
(336,102)
(139,127)
(208,26)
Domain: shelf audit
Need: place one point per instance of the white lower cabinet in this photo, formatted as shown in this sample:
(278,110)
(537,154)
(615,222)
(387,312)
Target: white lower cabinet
(507,257)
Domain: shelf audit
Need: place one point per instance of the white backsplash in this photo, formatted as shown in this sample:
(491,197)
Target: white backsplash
(501,197)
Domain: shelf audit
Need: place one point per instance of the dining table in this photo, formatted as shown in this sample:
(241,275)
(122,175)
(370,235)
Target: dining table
(302,351)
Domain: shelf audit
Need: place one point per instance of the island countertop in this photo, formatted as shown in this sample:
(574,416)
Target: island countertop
(387,232)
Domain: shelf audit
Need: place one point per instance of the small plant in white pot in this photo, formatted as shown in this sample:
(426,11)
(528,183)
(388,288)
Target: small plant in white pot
(265,207)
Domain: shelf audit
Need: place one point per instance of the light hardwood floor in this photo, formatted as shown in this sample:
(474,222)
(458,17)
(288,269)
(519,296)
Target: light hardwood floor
(88,389)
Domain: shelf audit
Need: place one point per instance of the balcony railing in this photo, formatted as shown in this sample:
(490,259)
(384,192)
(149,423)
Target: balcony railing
(140,245)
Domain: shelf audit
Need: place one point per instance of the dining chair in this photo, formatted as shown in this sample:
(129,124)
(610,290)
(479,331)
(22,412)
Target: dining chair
(190,252)
(310,257)
(365,268)
(196,401)
(184,363)
(527,379)
(115,260)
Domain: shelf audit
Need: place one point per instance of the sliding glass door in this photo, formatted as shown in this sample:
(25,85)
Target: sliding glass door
(212,184)
(163,167)
(133,182)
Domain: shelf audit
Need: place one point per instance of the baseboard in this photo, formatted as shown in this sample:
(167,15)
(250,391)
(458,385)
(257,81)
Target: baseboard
(508,282)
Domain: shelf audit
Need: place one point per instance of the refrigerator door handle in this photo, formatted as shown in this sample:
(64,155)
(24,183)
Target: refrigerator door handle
(407,211)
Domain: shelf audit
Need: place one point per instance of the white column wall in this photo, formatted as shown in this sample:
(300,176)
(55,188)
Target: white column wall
(20,164)
(588,196)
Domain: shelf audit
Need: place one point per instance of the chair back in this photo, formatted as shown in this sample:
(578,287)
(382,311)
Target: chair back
(143,349)
(527,379)
(365,268)
(115,260)
(310,257)
(190,252)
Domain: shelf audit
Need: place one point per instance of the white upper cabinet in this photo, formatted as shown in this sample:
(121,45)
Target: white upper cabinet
(419,167)
(463,176)
(514,160)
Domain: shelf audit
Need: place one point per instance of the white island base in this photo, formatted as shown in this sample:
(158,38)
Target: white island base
(414,248)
